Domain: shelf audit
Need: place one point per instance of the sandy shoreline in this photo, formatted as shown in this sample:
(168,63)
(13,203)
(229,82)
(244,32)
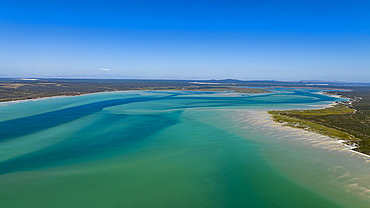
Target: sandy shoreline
(42,98)
(35,99)
(262,120)
(58,96)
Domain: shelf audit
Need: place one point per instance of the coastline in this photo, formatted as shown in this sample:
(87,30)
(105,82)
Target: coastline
(57,96)
(263,120)
(42,98)
(34,99)
(311,126)
(266,119)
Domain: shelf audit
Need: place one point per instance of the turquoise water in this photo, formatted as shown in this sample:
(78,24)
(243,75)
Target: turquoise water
(169,149)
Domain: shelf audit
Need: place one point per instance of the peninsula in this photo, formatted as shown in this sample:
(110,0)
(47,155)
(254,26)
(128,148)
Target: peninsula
(347,120)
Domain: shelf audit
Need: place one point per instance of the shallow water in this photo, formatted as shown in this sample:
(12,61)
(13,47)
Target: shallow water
(172,149)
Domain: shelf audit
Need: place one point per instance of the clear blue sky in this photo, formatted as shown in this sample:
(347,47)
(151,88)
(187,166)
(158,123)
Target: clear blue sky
(281,40)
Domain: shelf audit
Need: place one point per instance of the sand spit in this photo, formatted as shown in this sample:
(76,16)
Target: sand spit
(261,120)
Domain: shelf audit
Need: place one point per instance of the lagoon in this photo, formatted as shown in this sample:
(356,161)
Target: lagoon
(173,149)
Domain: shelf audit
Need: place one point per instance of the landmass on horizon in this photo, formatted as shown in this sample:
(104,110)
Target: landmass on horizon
(348,121)
(31,88)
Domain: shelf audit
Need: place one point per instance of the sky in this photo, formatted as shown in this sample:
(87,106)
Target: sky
(248,40)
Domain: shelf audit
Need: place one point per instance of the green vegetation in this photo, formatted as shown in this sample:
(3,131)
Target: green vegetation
(358,123)
(299,119)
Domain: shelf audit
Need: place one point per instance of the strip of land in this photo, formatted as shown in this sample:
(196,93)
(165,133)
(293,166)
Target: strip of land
(349,120)
(21,89)
(305,119)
